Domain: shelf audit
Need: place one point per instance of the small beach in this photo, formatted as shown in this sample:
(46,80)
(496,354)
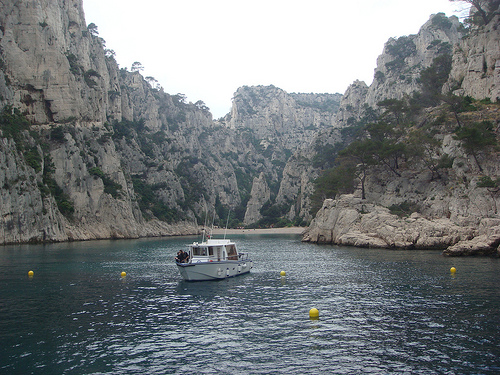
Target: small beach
(286,230)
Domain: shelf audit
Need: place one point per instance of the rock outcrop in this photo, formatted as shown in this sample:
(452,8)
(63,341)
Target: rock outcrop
(106,155)
(259,195)
(349,220)
(281,121)
(456,211)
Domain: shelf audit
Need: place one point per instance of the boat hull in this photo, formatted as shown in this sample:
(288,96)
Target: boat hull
(202,271)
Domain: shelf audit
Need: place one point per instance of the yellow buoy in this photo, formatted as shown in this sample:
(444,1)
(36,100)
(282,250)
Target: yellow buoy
(30,273)
(283,273)
(453,270)
(124,274)
(314,313)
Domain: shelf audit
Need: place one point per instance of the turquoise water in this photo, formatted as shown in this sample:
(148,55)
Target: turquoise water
(391,312)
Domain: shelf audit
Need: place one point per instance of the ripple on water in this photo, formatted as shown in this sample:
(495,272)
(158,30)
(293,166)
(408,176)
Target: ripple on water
(380,312)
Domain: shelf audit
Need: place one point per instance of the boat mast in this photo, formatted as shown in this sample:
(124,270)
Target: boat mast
(227,222)
(204,226)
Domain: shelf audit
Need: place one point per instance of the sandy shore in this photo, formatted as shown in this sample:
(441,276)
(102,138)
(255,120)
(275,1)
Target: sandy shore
(288,230)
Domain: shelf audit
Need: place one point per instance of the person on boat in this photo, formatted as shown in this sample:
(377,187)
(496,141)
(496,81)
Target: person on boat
(182,257)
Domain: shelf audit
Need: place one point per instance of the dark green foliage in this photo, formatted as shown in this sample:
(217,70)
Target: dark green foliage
(123,129)
(402,48)
(233,218)
(441,21)
(379,76)
(404,209)
(13,124)
(338,180)
(432,80)
(175,120)
(110,187)
(92,29)
(244,180)
(33,159)
(74,66)
(95,171)
(329,105)
(128,129)
(88,77)
(272,216)
(487,182)
(325,154)
(396,111)
(483,11)
(150,203)
(476,138)
(50,186)
(57,134)
(445,162)
(193,188)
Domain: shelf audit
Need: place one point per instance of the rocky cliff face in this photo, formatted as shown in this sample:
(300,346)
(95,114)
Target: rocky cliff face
(259,195)
(281,122)
(399,66)
(89,150)
(105,155)
(413,207)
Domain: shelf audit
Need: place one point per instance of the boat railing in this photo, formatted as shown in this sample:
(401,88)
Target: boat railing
(243,256)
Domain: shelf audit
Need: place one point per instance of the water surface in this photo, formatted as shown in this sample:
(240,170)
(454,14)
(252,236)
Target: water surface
(381,311)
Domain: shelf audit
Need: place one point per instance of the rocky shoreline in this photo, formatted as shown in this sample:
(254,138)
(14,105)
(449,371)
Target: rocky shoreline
(351,221)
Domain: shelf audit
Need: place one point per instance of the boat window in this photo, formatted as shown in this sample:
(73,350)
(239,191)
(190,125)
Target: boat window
(231,252)
(200,251)
(211,251)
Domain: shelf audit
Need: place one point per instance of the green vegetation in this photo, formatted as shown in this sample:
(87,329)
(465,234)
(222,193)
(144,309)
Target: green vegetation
(273,216)
(74,66)
(432,80)
(477,138)
(487,182)
(400,49)
(441,21)
(151,204)
(396,136)
(50,186)
(329,105)
(110,187)
(92,29)
(13,124)
(33,159)
(485,11)
(88,77)
(404,209)
(338,180)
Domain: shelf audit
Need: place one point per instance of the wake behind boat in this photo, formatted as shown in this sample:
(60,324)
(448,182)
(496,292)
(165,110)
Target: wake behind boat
(213,259)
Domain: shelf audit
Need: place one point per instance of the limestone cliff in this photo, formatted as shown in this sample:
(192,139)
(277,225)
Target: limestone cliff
(91,150)
(280,124)
(412,203)
(259,195)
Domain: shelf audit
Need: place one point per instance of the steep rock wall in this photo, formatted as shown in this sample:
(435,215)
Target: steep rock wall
(456,212)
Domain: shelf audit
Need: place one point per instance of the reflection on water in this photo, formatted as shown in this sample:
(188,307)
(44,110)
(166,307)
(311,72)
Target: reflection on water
(380,311)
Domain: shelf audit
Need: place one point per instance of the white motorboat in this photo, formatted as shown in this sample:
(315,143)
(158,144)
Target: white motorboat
(213,259)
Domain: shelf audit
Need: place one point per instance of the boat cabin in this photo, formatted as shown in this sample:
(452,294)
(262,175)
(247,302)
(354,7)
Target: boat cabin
(213,251)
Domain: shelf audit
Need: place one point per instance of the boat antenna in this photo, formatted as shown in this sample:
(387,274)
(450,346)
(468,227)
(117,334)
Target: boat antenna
(227,222)
(205,226)
(212,228)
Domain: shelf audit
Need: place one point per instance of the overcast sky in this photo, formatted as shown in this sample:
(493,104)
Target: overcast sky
(206,49)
